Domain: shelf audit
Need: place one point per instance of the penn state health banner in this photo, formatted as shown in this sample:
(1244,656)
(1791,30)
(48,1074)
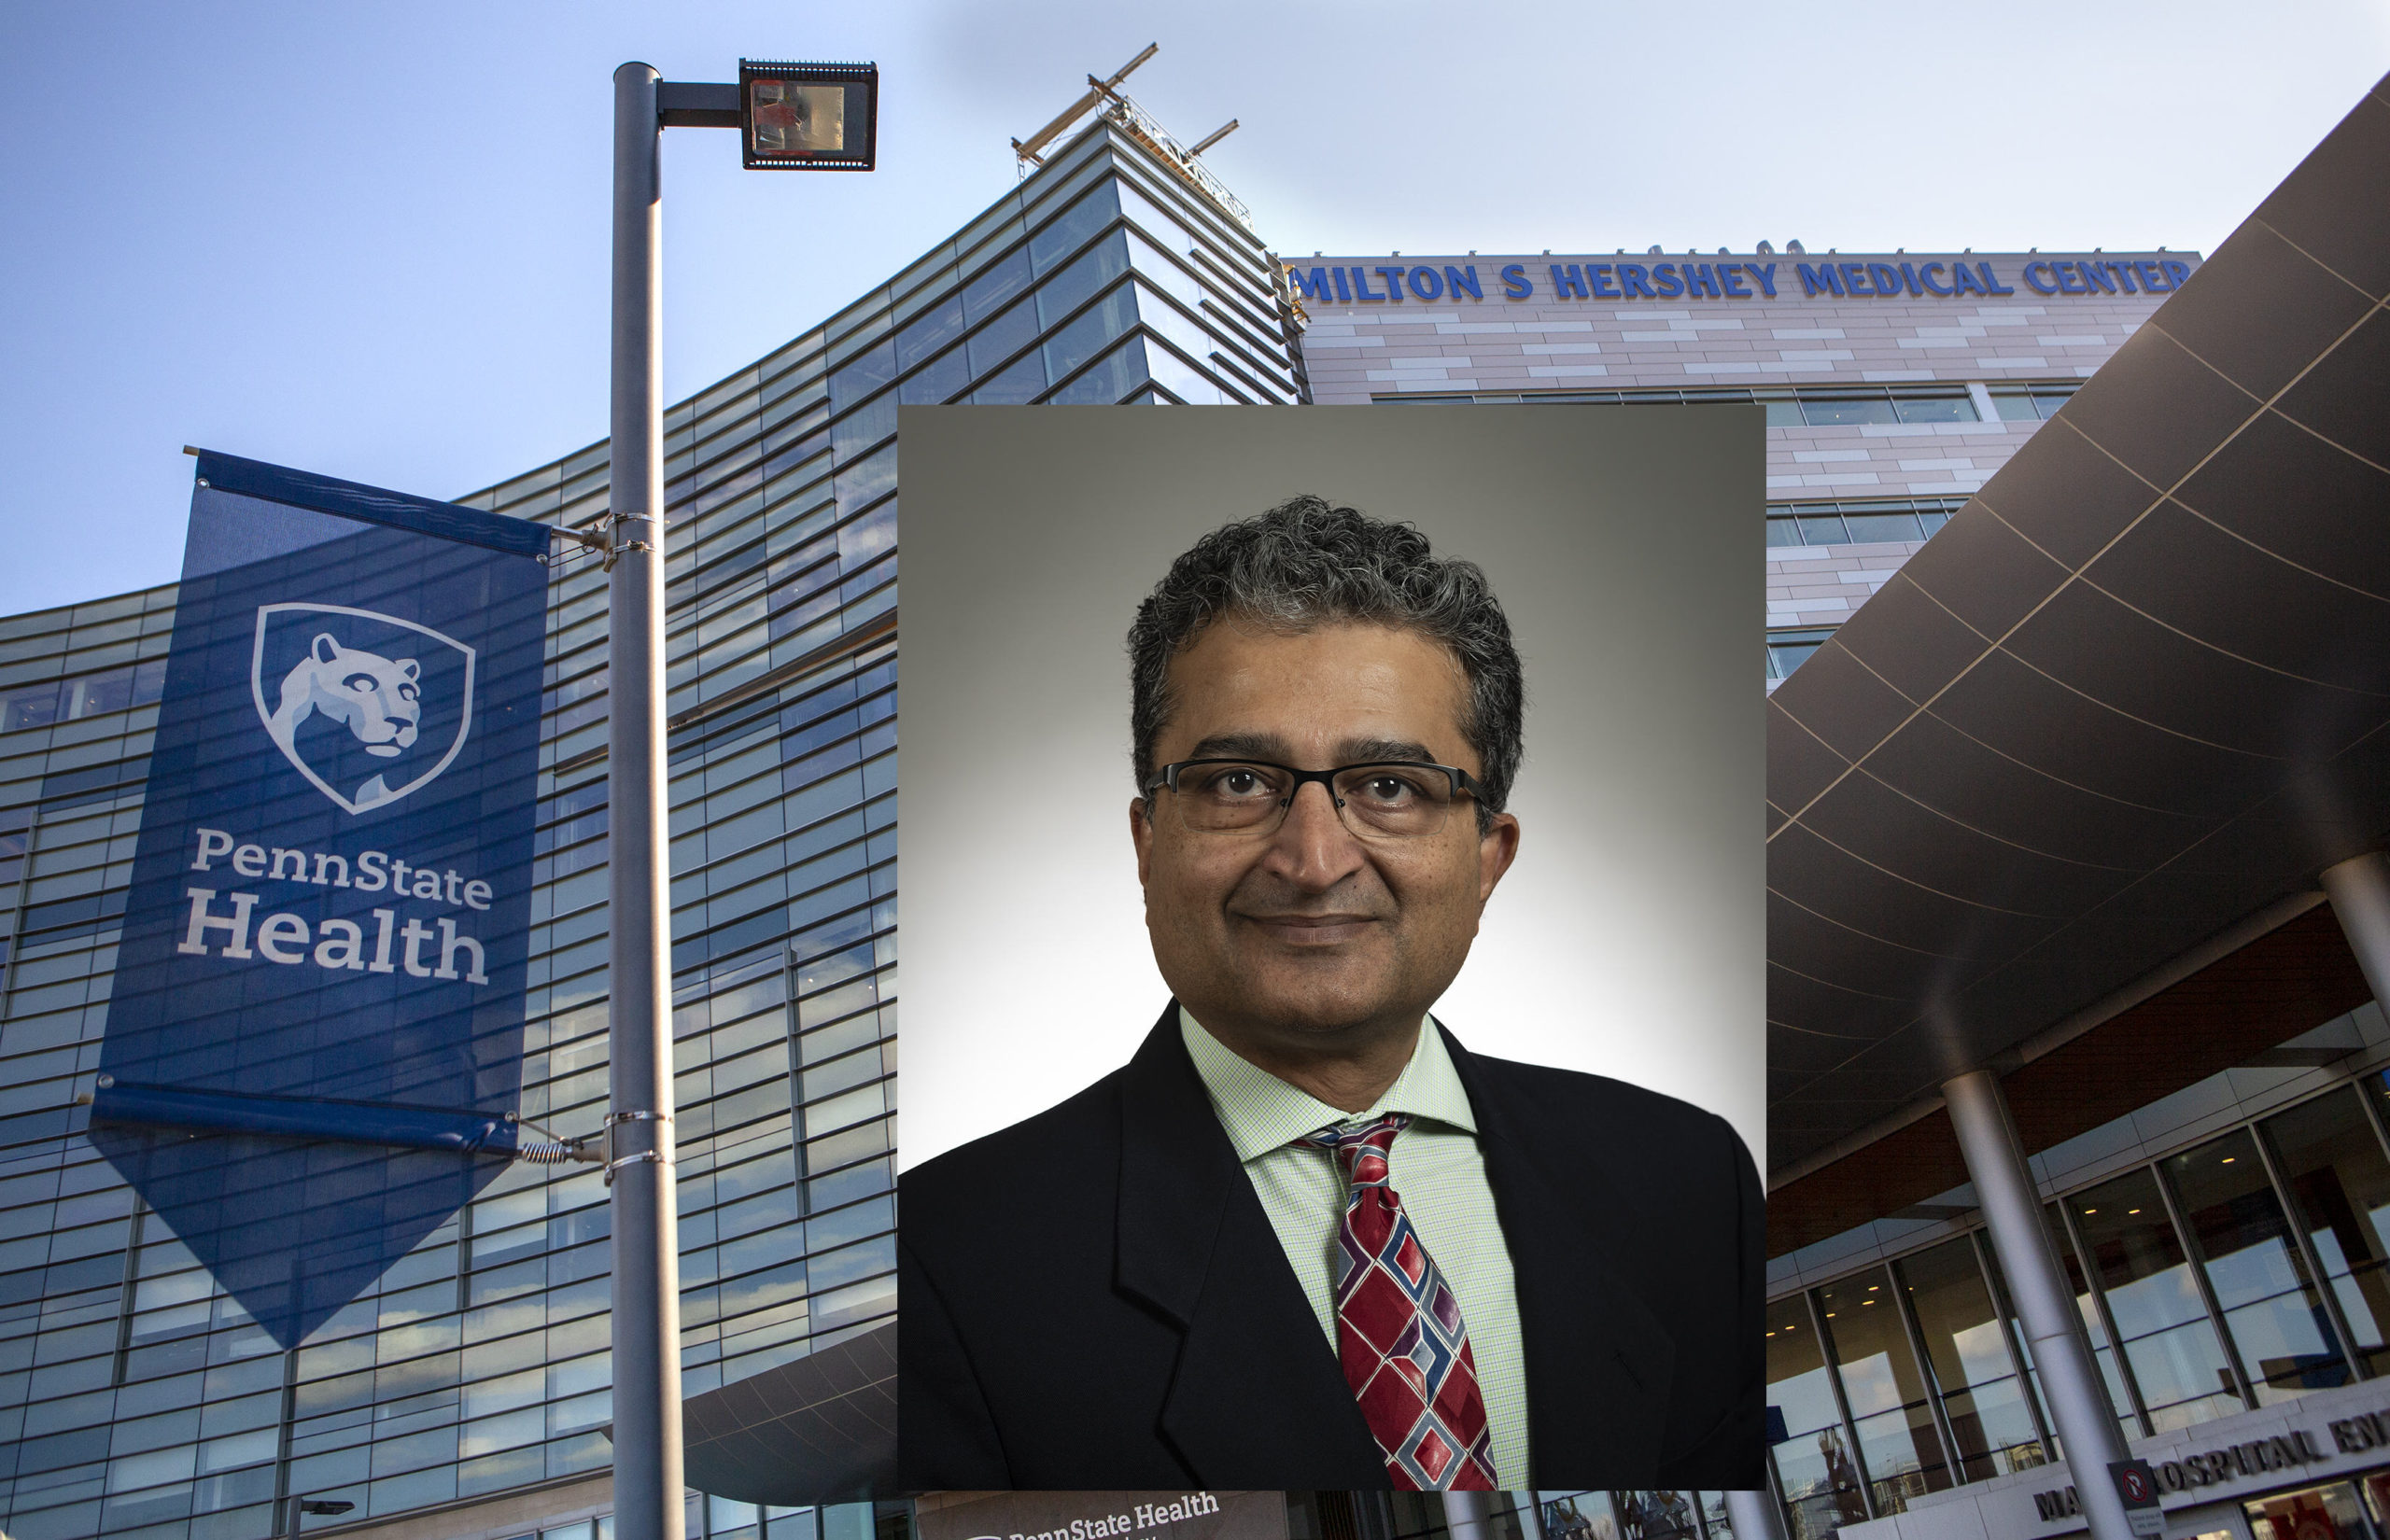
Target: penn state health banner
(314,1046)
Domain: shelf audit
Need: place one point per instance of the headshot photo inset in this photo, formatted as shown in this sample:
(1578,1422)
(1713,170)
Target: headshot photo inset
(1334,926)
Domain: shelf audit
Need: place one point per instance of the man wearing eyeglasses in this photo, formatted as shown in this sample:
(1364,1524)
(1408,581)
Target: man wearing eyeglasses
(1304,1238)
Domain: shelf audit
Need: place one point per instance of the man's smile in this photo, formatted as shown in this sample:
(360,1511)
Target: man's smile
(1309,930)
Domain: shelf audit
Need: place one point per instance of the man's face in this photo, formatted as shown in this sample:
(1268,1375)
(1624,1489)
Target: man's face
(1311,938)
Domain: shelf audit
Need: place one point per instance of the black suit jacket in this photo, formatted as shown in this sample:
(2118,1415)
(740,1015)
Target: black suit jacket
(1095,1298)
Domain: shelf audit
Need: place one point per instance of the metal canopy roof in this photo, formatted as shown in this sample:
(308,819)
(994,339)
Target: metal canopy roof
(819,1429)
(2136,690)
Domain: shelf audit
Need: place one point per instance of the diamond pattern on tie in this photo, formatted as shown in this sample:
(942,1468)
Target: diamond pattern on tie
(1399,1328)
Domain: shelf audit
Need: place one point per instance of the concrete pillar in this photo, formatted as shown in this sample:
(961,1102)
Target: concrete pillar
(2359,889)
(1468,1515)
(2012,1212)
(1756,1516)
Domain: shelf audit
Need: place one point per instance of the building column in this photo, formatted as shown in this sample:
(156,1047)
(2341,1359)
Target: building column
(2359,889)
(1755,1515)
(2012,1212)
(1467,1514)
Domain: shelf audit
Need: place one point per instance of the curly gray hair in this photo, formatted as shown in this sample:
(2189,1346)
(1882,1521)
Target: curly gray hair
(1306,563)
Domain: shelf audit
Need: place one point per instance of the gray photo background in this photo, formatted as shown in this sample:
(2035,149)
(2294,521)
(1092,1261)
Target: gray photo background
(1629,938)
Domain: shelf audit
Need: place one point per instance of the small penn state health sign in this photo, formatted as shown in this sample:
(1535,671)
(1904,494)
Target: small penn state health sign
(314,1047)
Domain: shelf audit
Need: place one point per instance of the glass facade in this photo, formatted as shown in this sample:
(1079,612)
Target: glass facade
(135,1397)
(2240,1272)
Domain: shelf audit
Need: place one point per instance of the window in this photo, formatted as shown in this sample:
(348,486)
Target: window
(2271,1310)
(2145,1275)
(1787,406)
(2339,1185)
(1983,1397)
(1813,1460)
(2030,403)
(2318,1513)
(1789,650)
(1843,409)
(1859,522)
(50,702)
(1898,1443)
(2121,1397)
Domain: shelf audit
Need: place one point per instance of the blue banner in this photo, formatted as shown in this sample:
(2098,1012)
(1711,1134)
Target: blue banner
(314,1048)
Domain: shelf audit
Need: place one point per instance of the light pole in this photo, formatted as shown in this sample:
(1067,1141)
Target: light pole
(791,116)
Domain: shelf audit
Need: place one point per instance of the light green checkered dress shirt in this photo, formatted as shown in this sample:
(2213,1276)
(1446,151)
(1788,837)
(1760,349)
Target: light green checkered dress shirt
(1437,1169)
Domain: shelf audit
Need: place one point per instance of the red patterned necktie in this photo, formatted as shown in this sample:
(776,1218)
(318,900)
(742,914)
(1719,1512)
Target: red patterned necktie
(1398,1329)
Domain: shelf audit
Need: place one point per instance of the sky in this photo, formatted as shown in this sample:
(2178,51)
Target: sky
(369,239)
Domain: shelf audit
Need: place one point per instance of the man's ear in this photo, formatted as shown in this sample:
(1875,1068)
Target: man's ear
(1141,834)
(1496,848)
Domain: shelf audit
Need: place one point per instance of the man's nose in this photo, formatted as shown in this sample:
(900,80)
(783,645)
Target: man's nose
(1312,846)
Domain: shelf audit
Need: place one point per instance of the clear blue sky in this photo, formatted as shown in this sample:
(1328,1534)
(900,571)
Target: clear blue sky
(369,238)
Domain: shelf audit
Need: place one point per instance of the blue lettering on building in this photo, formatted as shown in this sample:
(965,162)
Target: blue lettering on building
(1671,280)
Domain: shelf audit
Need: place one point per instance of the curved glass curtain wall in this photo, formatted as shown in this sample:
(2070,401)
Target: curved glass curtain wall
(2242,1272)
(133,1397)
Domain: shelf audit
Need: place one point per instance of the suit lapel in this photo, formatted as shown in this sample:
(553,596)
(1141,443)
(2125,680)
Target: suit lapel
(1598,1360)
(1257,1398)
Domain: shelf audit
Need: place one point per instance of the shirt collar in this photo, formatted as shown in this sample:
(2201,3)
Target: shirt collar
(1263,1112)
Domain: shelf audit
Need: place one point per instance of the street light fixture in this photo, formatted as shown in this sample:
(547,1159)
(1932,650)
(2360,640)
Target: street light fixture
(808,117)
(791,116)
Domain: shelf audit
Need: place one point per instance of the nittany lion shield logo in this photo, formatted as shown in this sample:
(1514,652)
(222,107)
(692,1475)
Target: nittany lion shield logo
(368,707)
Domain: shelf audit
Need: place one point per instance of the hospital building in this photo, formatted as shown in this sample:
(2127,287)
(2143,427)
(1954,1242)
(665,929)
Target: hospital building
(2077,671)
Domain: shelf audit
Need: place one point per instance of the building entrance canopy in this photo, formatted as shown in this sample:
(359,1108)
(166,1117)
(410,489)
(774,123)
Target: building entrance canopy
(2134,695)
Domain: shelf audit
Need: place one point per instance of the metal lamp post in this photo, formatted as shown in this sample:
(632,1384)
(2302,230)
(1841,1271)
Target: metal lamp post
(791,116)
